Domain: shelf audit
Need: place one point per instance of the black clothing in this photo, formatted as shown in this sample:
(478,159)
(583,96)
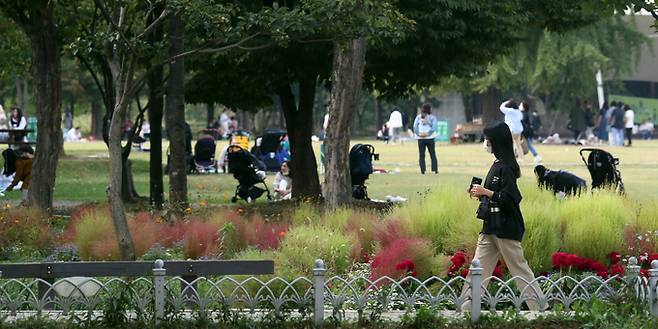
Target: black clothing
(528,129)
(430,145)
(629,134)
(501,179)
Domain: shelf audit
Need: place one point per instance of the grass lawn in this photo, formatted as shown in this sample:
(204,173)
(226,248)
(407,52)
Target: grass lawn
(82,173)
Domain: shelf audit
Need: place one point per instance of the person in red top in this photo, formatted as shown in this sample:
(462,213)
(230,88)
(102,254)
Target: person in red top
(23,170)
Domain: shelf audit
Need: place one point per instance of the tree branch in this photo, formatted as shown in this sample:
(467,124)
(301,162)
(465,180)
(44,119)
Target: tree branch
(155,24)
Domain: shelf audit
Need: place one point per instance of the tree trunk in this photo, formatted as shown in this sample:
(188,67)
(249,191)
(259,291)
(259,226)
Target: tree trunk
(347,78)
(46,72)
(155,111)
(175,117)
(96,119)
(299,123)
(210,114)
(490,102)
(123,83)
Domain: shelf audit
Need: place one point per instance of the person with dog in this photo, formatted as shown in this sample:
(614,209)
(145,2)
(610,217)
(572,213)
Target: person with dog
(424,129)
(513,119)
(529,130)
(502,227)
(23,171)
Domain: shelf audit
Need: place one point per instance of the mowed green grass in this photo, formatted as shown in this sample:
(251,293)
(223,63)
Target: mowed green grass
(82,173)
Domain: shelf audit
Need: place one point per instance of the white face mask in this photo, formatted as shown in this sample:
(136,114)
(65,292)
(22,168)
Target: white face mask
(487,146)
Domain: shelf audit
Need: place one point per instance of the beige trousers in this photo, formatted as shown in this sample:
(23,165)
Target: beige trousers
(488,251)
(518,150)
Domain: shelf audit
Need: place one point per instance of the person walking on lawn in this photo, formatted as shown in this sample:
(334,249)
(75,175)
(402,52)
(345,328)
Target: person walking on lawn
(425,131)
(513,119)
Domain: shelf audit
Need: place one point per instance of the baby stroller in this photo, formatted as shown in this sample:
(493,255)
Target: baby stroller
(204,156)
(248,170)
(270,150)
(603,168)
(361,156)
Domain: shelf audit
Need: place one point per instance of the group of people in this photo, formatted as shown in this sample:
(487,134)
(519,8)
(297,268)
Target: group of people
(613,123)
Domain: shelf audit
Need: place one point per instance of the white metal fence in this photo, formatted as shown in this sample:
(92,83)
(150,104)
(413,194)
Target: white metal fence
(160,297)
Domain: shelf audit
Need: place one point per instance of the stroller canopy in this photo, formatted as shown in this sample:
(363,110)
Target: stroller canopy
(271,140)
(204,149)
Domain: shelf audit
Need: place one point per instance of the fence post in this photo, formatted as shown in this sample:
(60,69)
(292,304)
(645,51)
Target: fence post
(475,273)
(632,271)
(653,285)
(318,291)
(159,273)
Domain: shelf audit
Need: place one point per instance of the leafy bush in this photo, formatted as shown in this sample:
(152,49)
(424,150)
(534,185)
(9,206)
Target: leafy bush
(25,227)
(542,231)
(408,256)
(593,224)
(440,216)
(93,226)
(303,244)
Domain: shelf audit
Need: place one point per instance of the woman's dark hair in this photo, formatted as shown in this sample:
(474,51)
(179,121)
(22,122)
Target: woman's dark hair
(526,106)
(18,109)
(513,104)
(502,146)
(427,108)
(287,163)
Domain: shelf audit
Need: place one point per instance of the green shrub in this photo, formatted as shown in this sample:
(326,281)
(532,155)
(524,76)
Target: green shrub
(542,231)
(594,224)
(93,226)
(306,213)
(439,215)
(304,244)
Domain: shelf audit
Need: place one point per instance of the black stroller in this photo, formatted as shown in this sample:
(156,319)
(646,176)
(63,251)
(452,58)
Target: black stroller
(204,156)
(603,168)
(361,156)
(249,171)
(270,151)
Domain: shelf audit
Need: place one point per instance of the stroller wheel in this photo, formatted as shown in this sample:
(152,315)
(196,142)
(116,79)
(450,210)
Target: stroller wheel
(234,199)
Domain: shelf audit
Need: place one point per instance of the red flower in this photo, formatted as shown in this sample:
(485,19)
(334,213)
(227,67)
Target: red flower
(602,274)
(413,273)
(464,272)
(644,273)
(572,260)
(614,258)
(405,265)
(498,272)
(559,260)
(617,270)
(458,259)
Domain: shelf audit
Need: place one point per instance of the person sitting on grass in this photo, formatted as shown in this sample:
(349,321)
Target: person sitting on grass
(283,183)
(23,170)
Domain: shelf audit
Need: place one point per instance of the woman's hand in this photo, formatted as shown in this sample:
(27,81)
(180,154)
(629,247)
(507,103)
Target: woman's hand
(478,191)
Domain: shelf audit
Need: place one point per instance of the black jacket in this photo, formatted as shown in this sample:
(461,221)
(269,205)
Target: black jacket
(501,179)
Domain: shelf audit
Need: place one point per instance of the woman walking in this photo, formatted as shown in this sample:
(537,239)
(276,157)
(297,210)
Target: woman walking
(503,228)
(424,129)
(513,119)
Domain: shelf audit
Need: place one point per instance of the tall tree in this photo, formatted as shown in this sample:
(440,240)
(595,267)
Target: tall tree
(175,116)
(347,79)
(37,20)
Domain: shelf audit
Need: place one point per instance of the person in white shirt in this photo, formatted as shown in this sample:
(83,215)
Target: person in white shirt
(629,122)
(283,183)
(73,135)
(513,119)
(395,124)
(17,122)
